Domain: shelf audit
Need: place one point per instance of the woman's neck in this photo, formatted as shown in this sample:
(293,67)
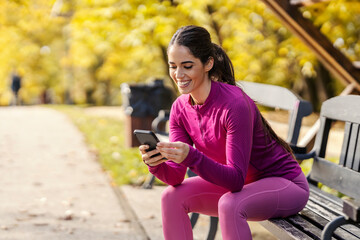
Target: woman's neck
(199,97)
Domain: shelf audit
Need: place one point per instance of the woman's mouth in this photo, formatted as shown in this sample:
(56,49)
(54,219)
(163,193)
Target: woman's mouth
(183,84)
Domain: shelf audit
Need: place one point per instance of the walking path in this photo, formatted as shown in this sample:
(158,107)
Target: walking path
(51,186)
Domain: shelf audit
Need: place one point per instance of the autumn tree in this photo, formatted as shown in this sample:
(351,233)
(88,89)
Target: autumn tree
(80,51)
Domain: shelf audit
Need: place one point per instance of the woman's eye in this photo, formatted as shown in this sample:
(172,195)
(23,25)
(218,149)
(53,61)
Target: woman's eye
(172,67)
(188,67)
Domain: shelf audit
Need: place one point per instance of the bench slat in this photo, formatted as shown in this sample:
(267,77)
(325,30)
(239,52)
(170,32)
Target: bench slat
(320,222)
(305,226)
(323,200)
(356,166)
(352,146)
(284,230)
(315,191)
(320,210)
(342,179)
(349,145)
(345,145)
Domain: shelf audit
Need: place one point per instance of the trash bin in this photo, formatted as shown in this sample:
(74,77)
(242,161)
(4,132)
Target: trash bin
(142,103)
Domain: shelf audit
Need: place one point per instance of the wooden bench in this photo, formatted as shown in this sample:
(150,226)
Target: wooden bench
(324,213)
(265,95)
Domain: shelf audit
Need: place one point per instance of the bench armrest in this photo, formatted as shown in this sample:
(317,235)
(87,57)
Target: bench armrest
(351,208)
(297,149)
(304,156)
(158,124)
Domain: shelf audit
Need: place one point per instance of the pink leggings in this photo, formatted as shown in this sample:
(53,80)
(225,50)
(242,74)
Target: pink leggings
(266,198)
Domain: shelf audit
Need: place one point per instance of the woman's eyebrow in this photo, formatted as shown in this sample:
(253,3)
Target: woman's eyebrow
(185,62)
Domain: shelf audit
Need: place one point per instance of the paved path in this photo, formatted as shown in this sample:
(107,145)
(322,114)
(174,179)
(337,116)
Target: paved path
(51,186)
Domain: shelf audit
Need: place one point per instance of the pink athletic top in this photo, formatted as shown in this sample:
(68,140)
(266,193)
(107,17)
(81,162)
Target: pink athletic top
(230,145)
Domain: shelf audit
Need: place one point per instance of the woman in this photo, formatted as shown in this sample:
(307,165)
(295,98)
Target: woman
(245,172)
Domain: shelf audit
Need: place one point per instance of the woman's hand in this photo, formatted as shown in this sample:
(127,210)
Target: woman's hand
(174,151)
(149,158)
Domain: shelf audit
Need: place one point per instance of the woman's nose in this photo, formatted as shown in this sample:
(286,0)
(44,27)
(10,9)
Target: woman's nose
(179,73)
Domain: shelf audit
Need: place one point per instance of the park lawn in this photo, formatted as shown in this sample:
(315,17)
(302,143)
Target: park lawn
(105,137)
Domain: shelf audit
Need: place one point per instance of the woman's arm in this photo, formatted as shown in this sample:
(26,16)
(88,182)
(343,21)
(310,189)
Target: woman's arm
(239,127)
(171,172)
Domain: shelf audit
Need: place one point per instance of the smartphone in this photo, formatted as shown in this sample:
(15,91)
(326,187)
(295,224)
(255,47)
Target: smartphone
(146,137)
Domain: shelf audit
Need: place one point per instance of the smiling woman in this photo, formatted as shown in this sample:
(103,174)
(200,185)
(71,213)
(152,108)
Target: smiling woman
(189,73)
(245,172)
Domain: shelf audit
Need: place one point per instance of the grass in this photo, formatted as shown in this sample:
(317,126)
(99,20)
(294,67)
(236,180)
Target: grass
(105,137)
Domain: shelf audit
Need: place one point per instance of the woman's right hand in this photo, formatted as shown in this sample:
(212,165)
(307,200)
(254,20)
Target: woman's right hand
(149,158)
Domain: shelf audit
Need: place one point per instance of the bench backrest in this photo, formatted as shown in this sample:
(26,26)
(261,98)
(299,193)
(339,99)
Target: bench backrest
(280,98)
(344,176)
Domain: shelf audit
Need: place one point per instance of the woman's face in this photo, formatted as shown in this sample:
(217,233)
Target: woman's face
(187,71)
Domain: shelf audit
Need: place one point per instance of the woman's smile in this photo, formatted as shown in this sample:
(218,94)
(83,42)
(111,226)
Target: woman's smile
(183,84)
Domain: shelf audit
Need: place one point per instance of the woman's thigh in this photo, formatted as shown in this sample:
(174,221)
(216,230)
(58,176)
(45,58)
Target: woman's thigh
(195,195)
(266,198)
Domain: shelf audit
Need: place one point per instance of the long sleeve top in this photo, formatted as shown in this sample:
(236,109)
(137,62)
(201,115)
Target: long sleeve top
(228,144)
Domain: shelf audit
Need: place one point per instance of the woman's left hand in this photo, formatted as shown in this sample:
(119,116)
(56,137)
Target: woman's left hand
(174,151)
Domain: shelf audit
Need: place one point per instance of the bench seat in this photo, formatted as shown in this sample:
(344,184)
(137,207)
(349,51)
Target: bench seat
(321,208)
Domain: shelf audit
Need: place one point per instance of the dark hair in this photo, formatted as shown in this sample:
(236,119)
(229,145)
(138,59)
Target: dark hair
(198,41)
(270,132)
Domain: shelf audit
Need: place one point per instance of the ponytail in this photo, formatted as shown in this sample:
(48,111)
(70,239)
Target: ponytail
(223,69)
(269,132)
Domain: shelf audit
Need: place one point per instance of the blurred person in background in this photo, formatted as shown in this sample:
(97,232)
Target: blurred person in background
(15,87)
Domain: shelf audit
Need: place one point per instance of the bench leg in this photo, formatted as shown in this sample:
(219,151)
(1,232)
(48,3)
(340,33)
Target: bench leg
(193,219)
(148,184)
(332,226)
(213,228)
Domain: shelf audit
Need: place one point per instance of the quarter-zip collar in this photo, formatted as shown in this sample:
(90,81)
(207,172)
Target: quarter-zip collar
(212,96)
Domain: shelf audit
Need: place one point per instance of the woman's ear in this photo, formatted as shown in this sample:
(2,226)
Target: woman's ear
(209,64)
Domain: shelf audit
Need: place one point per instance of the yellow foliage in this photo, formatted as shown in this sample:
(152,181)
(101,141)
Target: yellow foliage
(75,48)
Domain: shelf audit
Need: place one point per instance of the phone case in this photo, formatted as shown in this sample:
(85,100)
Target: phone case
(146,137)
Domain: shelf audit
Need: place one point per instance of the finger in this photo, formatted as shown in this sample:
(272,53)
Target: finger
(167,151)
(157,163)
(170,144)
(173,157)
(151,156)
(153,159)
(143,148)
(153,152)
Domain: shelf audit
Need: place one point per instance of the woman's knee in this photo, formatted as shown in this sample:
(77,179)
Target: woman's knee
(168,194)
(173,195)
(228,205)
